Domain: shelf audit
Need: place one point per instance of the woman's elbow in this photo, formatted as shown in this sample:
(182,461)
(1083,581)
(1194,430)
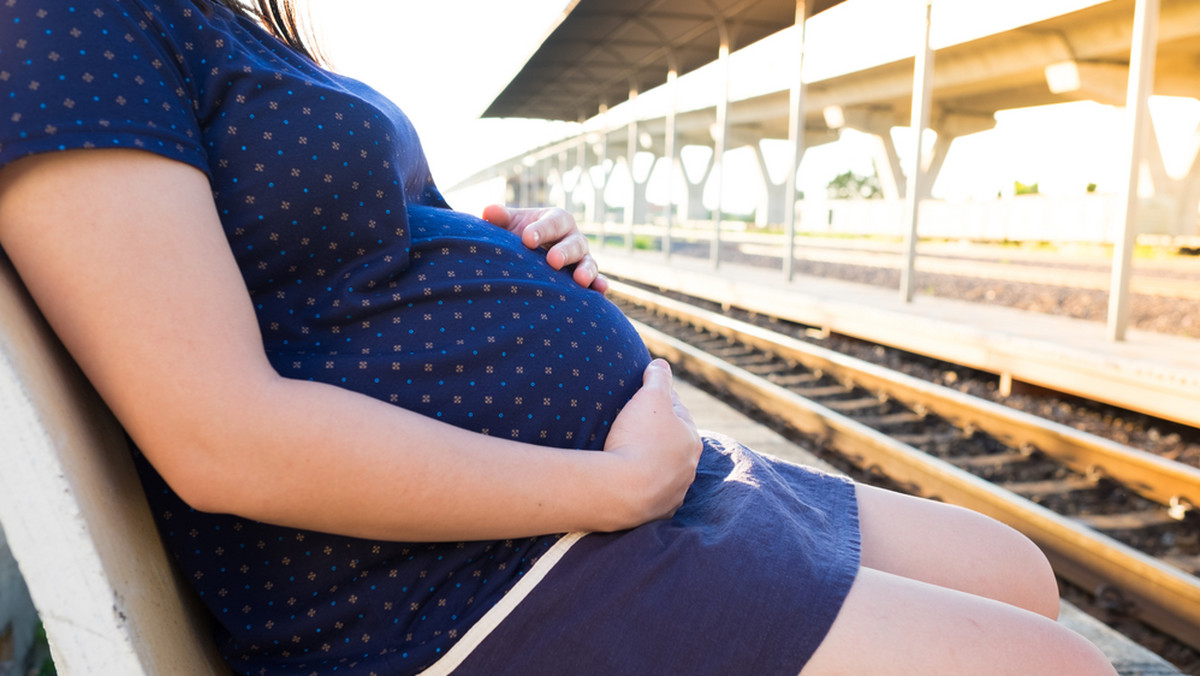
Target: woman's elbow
(206,480)
(206,459)
(205,450)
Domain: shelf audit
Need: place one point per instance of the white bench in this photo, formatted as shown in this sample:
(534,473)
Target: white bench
(76,518)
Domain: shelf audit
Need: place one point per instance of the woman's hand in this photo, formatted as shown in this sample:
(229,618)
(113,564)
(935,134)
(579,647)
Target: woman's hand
(655,436)
(556,230)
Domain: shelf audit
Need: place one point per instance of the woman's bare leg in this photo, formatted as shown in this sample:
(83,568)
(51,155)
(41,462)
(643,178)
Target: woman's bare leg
(955,548)
(944,590)
(893,625)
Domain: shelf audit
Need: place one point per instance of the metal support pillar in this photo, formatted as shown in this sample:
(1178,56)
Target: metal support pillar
(796,137)
(541,187)
(601,158)
(581,151)
(630,155)
(720,136)
(922,95)
(671,152)
(565,202)
(523,183)
(1137,116)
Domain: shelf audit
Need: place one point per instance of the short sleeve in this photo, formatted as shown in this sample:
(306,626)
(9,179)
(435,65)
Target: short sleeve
(92,74)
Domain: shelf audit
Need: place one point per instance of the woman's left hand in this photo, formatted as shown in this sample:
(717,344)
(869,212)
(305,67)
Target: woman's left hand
(556,230)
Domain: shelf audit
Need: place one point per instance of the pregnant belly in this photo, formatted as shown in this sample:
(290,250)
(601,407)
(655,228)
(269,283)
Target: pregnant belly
(481,333)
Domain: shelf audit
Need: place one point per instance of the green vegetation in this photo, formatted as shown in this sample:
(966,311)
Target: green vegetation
(851,186)
(1020,188)
(646,243)
(42,647)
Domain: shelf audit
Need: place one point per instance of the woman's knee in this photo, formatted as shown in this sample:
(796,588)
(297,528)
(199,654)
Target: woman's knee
(1024,576)
(895,625)
(954,547)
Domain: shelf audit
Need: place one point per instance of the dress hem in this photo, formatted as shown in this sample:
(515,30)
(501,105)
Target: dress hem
(492,619)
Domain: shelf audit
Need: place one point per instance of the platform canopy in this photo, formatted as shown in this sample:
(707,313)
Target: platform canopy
(600,48)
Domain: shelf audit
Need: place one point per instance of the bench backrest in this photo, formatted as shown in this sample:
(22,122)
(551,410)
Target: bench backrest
(76,517)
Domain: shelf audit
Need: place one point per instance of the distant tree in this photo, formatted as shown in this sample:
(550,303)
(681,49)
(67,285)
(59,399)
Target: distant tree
(1020,188)
(1091,187)
(851,186)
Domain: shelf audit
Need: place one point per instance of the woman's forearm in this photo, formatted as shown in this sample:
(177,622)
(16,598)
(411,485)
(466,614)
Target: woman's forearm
(319,457)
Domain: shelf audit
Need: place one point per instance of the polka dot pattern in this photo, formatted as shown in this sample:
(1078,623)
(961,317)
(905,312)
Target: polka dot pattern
(361,277)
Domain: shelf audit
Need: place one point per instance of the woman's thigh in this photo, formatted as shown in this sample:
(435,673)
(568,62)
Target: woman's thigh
(895,625)
(953,547)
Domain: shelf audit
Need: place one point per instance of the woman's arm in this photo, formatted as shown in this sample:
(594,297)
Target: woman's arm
(124,253)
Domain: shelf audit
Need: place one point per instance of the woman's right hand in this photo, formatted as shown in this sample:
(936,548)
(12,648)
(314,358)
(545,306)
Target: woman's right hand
(659,447)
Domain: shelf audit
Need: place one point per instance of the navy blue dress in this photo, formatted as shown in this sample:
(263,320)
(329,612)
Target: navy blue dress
(363,277)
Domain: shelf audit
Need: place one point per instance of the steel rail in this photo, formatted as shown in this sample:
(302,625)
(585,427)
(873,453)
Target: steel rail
(1161,595)
(1153,477)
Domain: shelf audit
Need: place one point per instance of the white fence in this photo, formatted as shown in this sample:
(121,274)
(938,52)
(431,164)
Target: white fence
(1083,219)
(1088,218)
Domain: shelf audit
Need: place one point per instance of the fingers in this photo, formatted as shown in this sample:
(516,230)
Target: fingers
(658,376)
(585,274)
(681,411)
(657,447)
(552,227)
(600,283)
(497,214)
(657,372)
(555,229)
(535,226)
(572,248)
(657,383)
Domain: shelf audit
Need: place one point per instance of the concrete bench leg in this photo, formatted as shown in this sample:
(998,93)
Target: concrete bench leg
(76,517)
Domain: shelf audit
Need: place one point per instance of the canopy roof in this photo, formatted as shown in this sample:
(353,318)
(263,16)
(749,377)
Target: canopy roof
(600,48)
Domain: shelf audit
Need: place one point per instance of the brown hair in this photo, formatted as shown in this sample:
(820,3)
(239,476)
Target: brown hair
(282,19)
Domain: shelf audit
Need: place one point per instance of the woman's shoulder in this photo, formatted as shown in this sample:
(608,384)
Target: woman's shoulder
(101,74)
(144,74)
(162,33)
(43,19)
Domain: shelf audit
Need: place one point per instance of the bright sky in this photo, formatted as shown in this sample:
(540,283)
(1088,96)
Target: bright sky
(443,62)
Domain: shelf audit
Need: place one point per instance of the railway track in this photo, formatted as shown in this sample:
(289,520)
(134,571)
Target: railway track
(1113,519)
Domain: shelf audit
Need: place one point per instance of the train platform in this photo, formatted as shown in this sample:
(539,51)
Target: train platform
(1154,373)
(1129,658)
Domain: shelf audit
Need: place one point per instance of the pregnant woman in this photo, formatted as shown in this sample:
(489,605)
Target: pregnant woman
(383,437)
